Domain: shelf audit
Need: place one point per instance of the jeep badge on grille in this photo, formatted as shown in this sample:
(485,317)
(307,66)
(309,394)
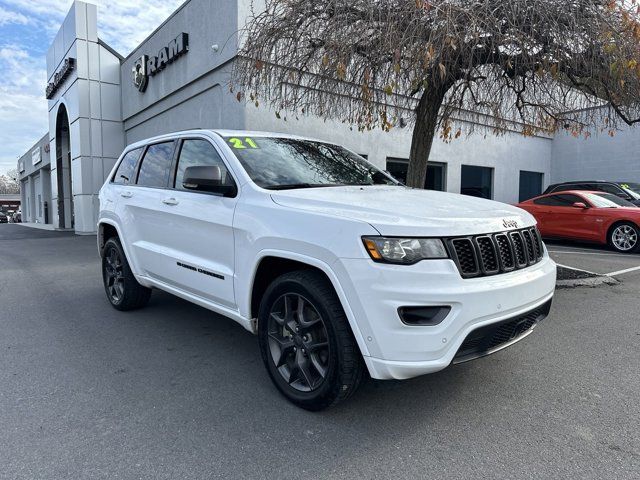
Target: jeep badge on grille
(510,223)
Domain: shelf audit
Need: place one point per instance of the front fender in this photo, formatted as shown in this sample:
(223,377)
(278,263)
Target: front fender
(245,303)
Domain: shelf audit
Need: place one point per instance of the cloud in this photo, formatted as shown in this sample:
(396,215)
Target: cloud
(122,24)
(8,17)
(23,109)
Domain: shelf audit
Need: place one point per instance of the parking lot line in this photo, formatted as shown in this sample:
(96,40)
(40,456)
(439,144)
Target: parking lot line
(621,272)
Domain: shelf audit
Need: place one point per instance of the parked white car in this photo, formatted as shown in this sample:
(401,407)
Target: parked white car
(338,268)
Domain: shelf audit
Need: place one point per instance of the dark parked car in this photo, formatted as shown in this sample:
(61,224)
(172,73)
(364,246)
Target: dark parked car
(629,191)
(4,218)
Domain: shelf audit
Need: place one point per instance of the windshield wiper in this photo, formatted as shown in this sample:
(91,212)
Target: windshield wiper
(292,186)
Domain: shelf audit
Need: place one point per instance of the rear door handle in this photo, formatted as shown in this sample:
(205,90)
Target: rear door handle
(170,201)
(126,194)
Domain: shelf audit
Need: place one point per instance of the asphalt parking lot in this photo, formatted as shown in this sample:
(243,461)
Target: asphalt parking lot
(596,259)
(174,391)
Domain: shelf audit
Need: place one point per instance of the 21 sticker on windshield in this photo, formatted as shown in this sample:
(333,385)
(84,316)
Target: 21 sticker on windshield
(239,144)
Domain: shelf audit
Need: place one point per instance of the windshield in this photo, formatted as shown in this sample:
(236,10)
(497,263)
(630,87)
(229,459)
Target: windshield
(633,189)
(607,200)
(283,163)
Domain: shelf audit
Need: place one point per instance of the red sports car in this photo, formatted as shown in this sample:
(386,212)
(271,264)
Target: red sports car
(588,216)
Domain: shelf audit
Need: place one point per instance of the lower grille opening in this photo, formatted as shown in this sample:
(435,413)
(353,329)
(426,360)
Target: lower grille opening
(487,339)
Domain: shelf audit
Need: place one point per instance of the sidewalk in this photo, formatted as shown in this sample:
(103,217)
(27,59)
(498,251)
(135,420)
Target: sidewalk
(44,226)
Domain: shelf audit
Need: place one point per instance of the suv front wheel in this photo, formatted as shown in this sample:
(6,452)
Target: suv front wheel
(122,289)
(306,343)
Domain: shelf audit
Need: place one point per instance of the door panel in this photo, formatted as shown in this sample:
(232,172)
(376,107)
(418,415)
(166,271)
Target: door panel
(140,206)
(571,222)
(199,241)
(197,244)
(145,228)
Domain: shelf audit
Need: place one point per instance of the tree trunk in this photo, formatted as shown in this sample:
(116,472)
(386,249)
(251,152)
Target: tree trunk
(423,133)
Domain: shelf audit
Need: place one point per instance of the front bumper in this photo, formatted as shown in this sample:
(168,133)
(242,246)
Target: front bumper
(398,351)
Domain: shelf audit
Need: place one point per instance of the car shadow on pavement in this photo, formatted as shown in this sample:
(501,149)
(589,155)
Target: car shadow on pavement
(220,355)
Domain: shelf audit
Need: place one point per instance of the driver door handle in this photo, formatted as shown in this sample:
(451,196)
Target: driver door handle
(170,201)
(126,194)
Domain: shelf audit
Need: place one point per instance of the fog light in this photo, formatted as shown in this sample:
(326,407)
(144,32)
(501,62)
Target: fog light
(423,316)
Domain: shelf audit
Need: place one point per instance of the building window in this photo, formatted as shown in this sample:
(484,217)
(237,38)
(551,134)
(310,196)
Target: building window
(398,167)
(530,184)
(477,181)
(39,205)
(436,176)
(436,173)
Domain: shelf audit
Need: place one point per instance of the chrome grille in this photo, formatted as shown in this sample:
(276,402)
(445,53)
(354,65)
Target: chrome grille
(496,253)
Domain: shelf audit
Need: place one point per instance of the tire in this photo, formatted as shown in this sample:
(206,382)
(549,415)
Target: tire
(624,237)
(318,365)
(122,289)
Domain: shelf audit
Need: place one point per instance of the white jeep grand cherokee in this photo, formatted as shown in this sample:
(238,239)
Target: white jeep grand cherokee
(334,265)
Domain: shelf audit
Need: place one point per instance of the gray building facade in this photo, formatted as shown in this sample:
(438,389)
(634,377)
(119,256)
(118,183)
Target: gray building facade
(598,157)
(34,170)
(178,78)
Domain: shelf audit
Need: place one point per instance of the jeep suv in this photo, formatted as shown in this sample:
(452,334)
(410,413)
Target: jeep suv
(338,269)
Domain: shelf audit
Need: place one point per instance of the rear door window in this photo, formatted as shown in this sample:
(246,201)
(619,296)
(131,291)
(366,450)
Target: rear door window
(156,165)
(125,174)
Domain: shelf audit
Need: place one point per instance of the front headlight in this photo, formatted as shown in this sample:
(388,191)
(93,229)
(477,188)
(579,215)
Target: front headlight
(404,251)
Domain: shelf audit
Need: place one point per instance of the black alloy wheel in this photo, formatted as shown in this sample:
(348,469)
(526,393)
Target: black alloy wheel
(306,341)
(114,276)
(122,289)
(298,342)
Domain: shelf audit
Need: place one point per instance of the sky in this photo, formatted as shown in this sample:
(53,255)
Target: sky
(27,28)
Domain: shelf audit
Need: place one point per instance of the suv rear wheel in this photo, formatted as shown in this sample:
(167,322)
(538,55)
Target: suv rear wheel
(122,289)
(624,237)
(306,343)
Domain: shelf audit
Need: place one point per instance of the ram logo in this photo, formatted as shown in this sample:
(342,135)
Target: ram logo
(509,223)
(140,76)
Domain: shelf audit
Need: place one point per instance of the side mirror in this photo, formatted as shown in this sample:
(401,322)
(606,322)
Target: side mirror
(207,179)
(580,205)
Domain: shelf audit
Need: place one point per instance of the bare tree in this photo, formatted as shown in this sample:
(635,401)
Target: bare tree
(10,182)
(533,65)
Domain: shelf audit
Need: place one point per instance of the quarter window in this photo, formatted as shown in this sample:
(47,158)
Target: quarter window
(200,153)
(126,170)
(156,165)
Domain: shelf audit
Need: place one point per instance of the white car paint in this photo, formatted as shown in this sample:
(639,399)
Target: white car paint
(323,227)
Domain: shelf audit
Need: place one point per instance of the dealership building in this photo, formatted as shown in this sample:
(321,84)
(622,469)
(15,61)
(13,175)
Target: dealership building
(178,79)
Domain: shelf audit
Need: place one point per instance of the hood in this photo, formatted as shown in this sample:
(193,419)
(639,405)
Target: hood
(402,211)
